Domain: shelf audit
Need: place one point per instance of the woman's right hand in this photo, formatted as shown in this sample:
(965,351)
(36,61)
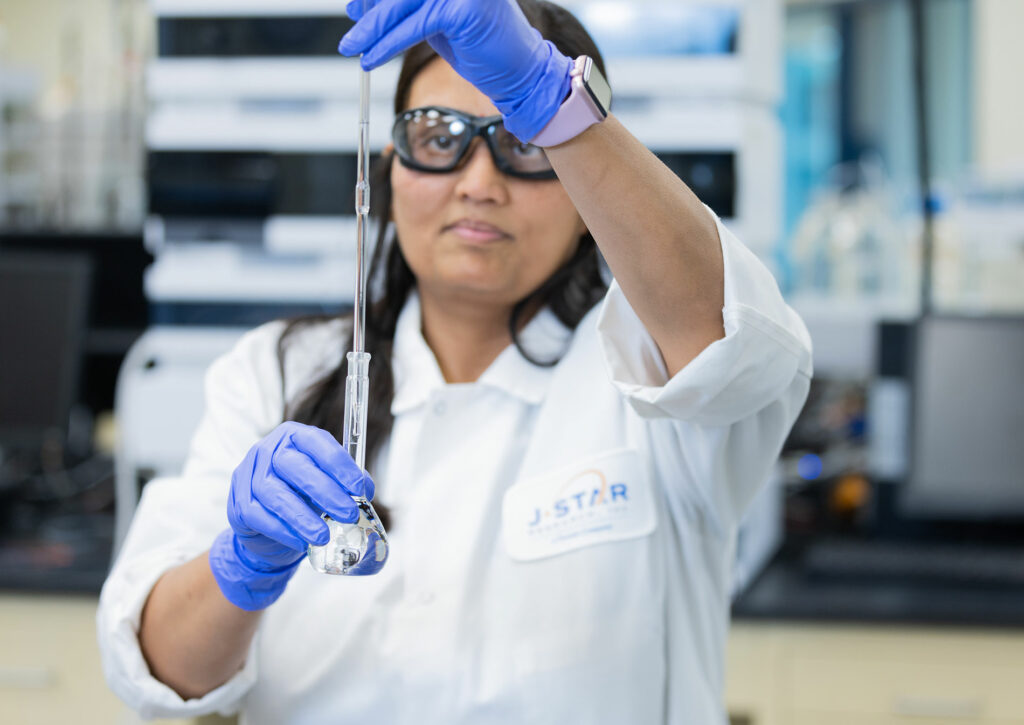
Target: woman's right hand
(277,495)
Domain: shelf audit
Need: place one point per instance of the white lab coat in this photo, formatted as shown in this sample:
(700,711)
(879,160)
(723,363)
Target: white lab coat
(509,596)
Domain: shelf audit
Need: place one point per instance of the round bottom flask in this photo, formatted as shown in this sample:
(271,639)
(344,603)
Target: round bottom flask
(355,549)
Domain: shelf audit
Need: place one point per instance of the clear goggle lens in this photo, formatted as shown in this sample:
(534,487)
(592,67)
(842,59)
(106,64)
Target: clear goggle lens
(435,139)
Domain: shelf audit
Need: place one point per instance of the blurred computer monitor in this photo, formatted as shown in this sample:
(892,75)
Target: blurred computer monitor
(967,429)
(43,301)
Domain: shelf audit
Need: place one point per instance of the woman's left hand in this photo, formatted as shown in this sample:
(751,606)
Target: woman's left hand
(488,42)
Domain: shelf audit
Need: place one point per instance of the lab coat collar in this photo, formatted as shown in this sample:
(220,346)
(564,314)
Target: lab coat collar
(417,373)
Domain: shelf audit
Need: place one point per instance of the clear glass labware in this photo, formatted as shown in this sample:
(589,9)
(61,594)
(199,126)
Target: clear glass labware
(354,549)
(358,548)
(361,547)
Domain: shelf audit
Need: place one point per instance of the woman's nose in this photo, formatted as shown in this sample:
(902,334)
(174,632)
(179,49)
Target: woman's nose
(479,179)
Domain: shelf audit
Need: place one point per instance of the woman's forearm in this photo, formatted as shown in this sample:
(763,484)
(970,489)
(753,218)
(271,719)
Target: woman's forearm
(194,639)
(657,237)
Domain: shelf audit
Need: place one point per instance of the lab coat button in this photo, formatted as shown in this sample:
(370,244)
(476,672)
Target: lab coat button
(425,598)
(440,408)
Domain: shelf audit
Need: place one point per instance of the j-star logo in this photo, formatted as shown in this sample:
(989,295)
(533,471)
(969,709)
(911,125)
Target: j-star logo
(579,496)
(600,499)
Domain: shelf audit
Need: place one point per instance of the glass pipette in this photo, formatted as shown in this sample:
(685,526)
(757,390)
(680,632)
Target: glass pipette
(360,547)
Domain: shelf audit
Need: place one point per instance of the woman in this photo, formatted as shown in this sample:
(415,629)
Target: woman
(563,479)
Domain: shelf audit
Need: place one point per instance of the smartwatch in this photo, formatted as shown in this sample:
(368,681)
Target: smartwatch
(586,105)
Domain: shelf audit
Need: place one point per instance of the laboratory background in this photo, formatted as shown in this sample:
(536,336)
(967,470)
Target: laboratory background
(174,172)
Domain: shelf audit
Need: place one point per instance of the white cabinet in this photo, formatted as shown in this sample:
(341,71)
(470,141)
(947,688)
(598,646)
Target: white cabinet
(777,674)
(50,664)
(811,674)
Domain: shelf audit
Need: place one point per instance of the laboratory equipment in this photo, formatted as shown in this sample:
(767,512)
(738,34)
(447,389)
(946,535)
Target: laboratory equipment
(965,457)
(699,83)
(266,130)
(158,403)
(43,314)
(248,126)
(708,49)
(944,413)
(959,564)
(19,184)
(360,547)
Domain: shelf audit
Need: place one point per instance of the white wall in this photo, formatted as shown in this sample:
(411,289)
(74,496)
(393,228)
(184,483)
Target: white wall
(998,85)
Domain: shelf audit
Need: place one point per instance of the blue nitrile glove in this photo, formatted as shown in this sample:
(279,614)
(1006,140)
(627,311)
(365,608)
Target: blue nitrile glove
(488,42)
(277,494)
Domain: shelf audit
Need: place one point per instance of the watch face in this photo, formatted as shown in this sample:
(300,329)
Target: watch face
(597,86)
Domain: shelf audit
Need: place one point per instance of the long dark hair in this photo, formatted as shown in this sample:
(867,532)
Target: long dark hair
(570,292)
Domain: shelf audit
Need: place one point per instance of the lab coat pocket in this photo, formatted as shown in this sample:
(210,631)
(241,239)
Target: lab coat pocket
(602,499)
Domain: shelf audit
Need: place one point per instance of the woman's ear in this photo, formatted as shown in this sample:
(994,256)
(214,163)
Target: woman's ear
(388,150)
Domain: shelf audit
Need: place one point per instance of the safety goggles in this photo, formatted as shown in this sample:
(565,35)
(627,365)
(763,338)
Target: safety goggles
(436,139)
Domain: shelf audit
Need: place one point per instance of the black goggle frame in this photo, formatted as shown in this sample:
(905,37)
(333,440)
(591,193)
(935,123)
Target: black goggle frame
(485,126)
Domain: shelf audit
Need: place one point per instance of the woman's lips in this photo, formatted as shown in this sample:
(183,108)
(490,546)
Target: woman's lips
(475,231)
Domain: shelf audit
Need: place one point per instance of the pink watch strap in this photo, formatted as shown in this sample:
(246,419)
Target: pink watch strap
(576,114)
